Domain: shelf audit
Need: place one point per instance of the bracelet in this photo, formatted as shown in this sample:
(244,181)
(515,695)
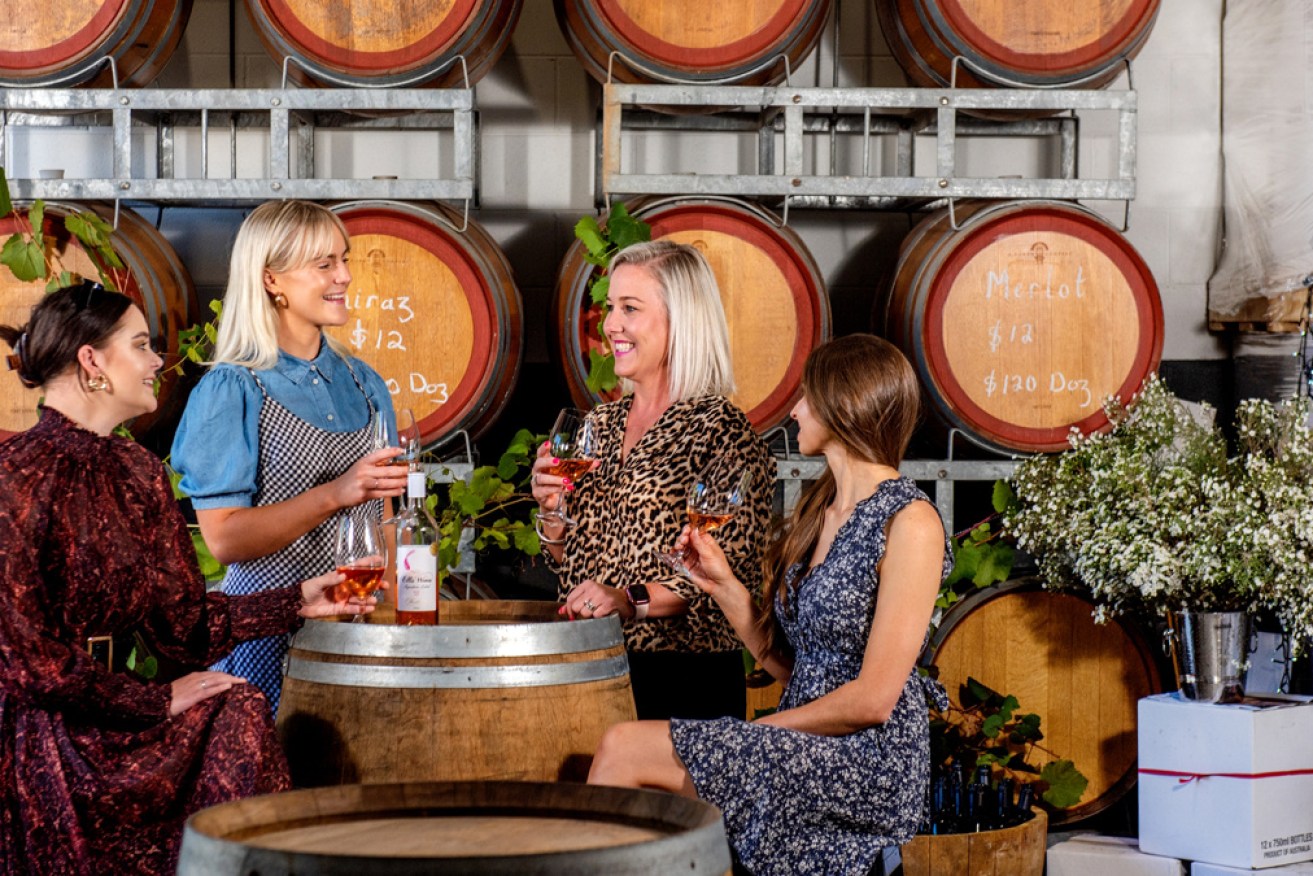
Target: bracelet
(538,528)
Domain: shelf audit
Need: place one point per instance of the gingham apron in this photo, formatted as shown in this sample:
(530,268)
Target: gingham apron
(293,457)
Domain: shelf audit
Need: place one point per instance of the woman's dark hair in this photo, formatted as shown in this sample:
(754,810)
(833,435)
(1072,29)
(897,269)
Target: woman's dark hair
(865,393)
(60,325)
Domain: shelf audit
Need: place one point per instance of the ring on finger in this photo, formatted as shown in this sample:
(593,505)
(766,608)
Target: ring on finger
(588,604)
(205,684)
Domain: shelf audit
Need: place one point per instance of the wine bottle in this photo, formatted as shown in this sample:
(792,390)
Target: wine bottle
(1021,812)
(941,813)
(1001,812)
(417,557)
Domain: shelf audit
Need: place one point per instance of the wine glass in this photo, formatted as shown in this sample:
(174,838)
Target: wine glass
(379,435)
(408,438)
(714,497)
(573,442)
(360,554)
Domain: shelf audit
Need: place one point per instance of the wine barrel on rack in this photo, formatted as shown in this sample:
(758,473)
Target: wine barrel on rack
(1022,320)
(1043,44)
(435,311)
(497,690)
(501,828)
(1082,678)
(153,276)
(691,40)
(62,43)
(773,293)
(385,43)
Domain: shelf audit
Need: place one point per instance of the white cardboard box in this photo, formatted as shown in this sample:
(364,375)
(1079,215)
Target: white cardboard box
(1096,855)
(1201,869)
(1227,784)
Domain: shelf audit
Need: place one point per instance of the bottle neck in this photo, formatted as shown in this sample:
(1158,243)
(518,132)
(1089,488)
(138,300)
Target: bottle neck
(416,488)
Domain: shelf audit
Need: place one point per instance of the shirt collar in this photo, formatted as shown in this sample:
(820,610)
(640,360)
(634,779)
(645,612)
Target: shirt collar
(297,370)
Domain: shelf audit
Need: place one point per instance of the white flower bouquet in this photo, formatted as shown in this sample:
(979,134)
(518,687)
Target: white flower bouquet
(1155,515)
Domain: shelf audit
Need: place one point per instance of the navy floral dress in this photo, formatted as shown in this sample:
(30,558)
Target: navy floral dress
(796,802)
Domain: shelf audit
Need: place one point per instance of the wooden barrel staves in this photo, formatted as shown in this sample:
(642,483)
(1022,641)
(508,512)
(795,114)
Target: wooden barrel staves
(774,297)
(1082,678)
(1024,320)
(498,690)
(61,43)
(1010,851)
(435,311)
(691,40)
(385,43)
(1044,44)
(487,828)
(156,280)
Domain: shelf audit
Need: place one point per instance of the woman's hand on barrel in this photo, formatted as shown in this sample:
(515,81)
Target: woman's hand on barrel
(192,689)
(325,596)
(591,599)
(372,477)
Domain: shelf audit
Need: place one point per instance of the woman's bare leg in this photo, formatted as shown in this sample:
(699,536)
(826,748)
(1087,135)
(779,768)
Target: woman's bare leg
(640,754)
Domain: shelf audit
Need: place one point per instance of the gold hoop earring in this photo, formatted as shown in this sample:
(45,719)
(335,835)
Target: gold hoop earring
(280,301)
(98,382)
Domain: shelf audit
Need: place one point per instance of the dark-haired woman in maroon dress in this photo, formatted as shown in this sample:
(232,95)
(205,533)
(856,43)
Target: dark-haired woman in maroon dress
(99,767)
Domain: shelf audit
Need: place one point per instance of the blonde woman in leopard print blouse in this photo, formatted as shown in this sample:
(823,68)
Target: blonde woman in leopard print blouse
(667,329)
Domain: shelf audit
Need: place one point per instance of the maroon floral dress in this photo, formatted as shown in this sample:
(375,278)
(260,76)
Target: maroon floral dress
(95,776)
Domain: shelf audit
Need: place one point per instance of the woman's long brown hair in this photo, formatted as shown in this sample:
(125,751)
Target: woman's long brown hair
(863,390)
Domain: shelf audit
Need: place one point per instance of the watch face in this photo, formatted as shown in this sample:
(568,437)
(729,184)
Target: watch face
(638,594)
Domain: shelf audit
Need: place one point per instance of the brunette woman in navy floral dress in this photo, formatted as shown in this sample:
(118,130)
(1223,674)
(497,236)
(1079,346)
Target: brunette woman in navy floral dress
(840,770)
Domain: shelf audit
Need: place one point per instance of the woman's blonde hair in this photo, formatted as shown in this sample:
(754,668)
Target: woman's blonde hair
(865,393)
(278,236)
(697,352)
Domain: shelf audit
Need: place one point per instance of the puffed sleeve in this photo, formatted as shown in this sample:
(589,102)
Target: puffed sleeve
(216,447)
(39,668)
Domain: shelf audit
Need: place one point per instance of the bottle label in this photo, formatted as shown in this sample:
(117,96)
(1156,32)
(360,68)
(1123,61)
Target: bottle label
(416,485)
(417,578)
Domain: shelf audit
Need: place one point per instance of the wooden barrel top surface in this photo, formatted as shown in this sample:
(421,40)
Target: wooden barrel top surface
(58,42)
(1024,321)
(775,301)
(484,827)
(1040,43)
(690,39)
(386,42)
(157,282)
(434,311)
(1083,679)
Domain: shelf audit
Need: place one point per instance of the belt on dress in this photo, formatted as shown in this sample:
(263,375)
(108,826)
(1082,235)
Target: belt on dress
(110,651)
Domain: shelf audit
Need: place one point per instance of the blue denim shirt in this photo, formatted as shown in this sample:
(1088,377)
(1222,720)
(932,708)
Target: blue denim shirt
(216,446)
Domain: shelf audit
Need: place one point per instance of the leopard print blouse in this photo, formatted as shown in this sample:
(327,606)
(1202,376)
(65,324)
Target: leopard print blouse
(626,511)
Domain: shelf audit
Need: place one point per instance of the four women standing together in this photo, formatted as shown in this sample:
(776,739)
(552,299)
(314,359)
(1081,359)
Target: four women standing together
(276,445)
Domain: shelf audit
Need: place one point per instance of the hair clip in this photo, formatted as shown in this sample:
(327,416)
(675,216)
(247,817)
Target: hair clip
(92,287)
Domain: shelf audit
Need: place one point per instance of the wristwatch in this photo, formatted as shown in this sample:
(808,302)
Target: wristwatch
(639,599)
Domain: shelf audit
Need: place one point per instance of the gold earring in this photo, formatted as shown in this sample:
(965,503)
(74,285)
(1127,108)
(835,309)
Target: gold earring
(98,382)
(280,300)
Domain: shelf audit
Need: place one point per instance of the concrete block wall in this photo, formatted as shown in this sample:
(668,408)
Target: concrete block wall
(537,141)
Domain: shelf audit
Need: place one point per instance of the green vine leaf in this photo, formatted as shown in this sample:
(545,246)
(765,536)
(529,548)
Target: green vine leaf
(23,258)
(6,204)
(1066,784)
(601,372)
(590,234)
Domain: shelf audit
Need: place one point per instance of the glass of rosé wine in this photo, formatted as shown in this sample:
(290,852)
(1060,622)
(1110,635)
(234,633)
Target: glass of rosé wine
(360,554)
(573,442)
(714,497)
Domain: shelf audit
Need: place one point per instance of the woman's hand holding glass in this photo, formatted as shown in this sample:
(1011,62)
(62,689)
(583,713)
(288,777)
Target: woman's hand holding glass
(567,455)
(360,555)
(714,497)
(327,596)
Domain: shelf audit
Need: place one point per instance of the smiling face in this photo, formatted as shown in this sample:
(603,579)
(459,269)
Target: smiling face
(638,326)
(130,363)
(315,292)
